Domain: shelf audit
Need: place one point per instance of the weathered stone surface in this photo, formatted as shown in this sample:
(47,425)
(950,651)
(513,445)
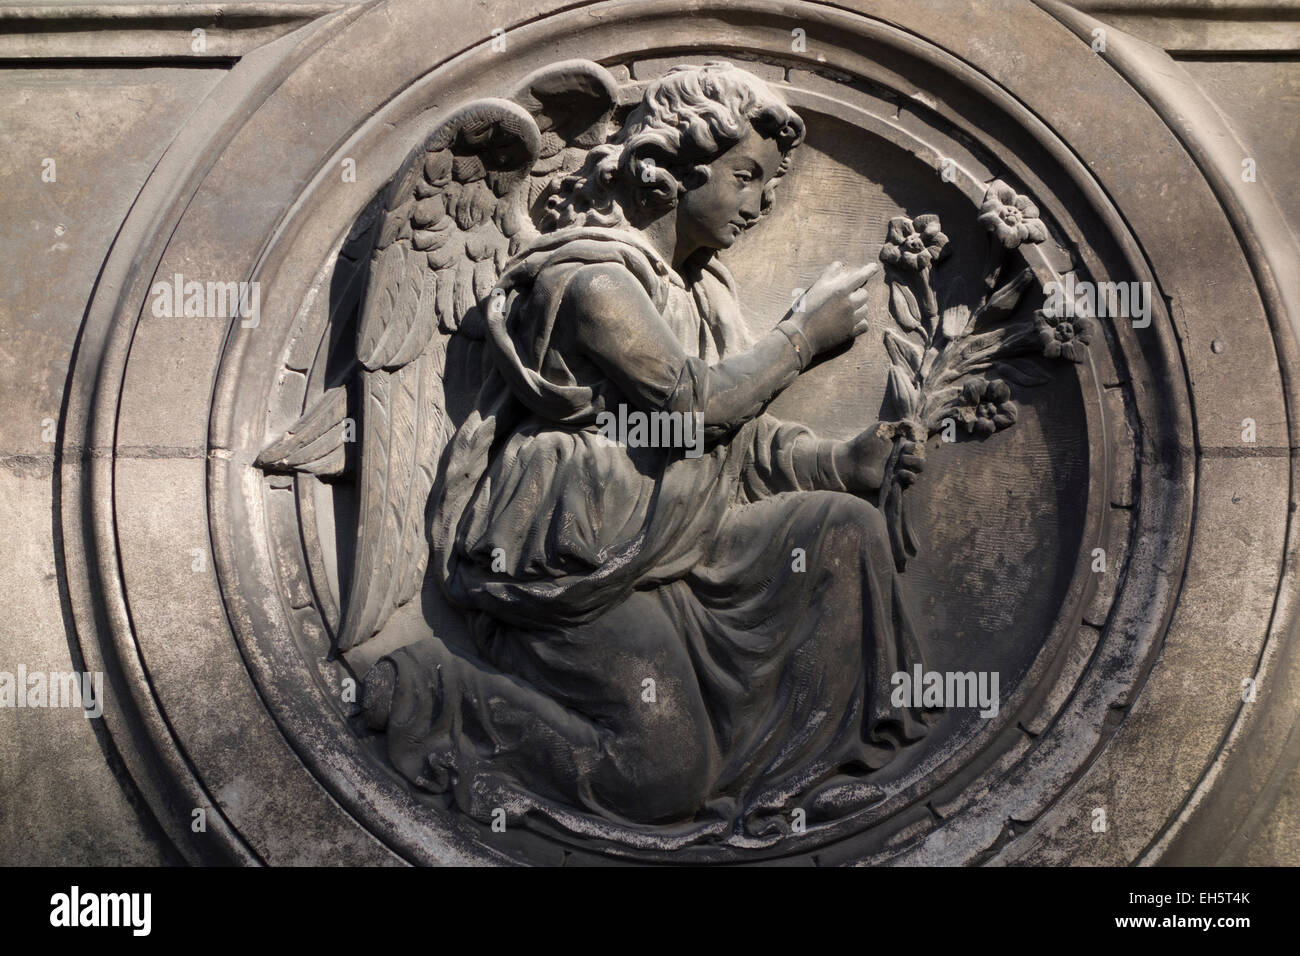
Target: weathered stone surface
(64,796)
(178,524)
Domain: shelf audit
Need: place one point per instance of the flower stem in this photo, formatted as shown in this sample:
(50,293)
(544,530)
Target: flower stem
(997,256)
(929,304)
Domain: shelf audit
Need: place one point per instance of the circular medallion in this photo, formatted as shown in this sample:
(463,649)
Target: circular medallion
(892,595)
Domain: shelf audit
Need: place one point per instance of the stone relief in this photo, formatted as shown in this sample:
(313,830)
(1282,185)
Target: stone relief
(227,505)
(685,613)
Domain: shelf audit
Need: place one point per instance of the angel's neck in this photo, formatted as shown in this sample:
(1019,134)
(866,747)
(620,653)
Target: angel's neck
(665,239)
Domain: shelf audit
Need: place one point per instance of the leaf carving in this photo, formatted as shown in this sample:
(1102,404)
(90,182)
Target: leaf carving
(955,318)
(901,392)
(1004,301)
(904,308)
(902,351)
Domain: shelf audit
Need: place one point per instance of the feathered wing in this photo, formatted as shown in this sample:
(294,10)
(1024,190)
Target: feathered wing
(442,243)
(457,211)
(315,444)
(573,103)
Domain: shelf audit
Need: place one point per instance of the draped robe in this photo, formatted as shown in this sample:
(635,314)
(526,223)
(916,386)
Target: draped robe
(667,649)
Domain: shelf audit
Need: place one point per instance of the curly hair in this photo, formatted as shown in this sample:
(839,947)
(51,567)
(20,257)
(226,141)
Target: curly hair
(685,120)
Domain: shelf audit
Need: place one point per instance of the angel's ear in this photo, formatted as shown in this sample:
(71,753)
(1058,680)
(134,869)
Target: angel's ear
(653,183)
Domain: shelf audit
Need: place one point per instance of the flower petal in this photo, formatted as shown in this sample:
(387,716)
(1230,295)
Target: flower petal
(1001,192)
(900,227)
(998,391)
(1026,207)
(1037,231)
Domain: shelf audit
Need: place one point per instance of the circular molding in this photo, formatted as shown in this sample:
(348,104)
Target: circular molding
(265,744)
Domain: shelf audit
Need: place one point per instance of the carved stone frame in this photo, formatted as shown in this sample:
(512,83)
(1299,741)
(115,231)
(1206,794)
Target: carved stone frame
(214,701)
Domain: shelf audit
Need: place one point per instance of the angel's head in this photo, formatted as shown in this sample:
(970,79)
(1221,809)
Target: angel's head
(707,144)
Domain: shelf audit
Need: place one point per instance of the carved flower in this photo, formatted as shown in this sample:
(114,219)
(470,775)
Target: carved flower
(1012,218)
(914,243)
(988,406)
(1065,337)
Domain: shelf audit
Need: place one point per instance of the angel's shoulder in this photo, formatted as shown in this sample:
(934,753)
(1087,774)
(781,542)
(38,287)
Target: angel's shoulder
(590,291)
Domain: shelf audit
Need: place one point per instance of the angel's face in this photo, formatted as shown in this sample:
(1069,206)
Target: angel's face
(712,215)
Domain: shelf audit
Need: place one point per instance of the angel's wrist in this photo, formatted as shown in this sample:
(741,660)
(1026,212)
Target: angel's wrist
(803,352)
(832,465)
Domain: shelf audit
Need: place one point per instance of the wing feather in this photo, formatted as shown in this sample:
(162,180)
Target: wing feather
(441,224)
(315,443)
(574,103)
(455,214)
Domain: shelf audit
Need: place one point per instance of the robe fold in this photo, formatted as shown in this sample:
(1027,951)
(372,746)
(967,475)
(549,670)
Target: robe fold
(668,649)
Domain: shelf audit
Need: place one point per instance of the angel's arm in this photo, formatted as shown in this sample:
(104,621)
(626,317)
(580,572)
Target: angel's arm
(786,456)
(622,332)
(789,457)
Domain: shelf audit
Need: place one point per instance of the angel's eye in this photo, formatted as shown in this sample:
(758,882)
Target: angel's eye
(743,176)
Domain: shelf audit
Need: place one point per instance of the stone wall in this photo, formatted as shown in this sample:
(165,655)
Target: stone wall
(143,140)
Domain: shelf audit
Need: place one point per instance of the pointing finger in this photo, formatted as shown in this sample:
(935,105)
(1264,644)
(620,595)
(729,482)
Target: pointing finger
(862,274)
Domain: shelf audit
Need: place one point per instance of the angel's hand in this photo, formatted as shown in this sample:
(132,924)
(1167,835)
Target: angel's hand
(860,462)
(834,309)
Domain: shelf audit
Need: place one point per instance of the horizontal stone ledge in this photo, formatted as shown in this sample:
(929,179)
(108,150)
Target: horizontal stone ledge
(109,453)
(1249,451)
(151,31)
